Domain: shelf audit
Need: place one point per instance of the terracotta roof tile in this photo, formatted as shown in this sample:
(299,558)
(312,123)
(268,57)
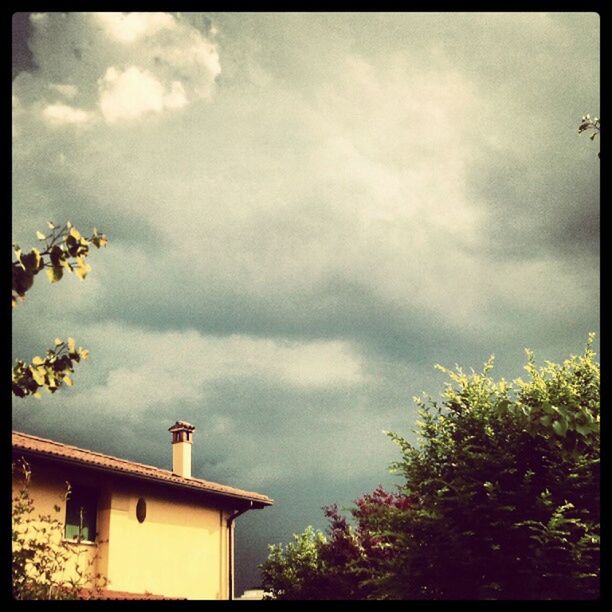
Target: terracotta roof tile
(52,448)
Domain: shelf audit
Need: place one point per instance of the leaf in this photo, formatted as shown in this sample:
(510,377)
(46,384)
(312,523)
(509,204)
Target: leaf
(502,406)
(585,430)
(39,261)
(22,280)
(84,353)
(72,245)
(50,225)
(100,240)
(82,268)
(55,274)
(58,342)
(71,345)
(38,361)
(40,236)
(39,376)
(68,380)
(31,261)
(37,395)
(560,428)
(56,255)
(74,232)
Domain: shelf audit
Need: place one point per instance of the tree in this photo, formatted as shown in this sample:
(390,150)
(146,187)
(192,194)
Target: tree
(41,554)
(290,571)
(499,499)
(506,487)
(65,249)
(337,564)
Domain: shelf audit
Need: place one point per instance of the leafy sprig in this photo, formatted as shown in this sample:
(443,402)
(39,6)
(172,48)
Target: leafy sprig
(64,249)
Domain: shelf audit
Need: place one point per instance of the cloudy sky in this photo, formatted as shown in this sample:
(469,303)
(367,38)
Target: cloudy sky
(306,213)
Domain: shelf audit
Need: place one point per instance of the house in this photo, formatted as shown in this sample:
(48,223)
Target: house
(147,530)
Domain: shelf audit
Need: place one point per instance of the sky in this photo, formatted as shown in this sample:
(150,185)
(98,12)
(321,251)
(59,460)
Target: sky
(306,212)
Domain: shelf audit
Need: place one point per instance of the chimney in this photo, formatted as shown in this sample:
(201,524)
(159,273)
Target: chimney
(181,448)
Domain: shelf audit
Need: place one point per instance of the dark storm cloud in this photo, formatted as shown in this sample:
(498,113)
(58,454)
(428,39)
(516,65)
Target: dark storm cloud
(22,56)
(301,231)
(545,205)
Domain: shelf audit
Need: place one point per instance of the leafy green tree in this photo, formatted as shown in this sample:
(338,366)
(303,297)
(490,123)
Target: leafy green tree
(339,563)
(506,488)
(499,499)
(65,249)
(290,571)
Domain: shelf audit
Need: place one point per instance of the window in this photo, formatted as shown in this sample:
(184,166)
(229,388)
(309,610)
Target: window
(81,510)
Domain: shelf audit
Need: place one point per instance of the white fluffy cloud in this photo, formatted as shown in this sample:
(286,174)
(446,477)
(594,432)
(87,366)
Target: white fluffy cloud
(129,27)
(60,114)
(120,66)
(173,367)
(129,94)
(169,47)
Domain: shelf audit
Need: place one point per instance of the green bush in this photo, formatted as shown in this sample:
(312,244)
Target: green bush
(500,499)
(41,554)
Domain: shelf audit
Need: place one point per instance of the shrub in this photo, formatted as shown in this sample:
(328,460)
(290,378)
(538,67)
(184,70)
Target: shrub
(40,553)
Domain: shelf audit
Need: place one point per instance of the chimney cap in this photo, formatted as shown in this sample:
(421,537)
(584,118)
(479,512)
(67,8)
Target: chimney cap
(182,426)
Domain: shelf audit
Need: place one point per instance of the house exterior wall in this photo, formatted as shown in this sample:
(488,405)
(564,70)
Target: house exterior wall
(180,550)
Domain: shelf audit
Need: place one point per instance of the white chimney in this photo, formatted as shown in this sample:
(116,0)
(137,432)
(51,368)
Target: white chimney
(181,448)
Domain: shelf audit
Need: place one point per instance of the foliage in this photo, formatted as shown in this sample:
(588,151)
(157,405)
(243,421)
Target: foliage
(51,372)
(290,571)
(65,249)
(41,555)
(590,125)
(506,483)
(336,564)
(500,498)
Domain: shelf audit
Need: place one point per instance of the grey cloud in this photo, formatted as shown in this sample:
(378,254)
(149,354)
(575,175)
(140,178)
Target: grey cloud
(22,56)
(548,204)
(408,185)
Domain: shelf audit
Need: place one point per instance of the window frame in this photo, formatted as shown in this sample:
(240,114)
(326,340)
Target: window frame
(88,499)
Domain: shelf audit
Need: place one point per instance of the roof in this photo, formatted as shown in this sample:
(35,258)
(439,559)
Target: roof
(57,450)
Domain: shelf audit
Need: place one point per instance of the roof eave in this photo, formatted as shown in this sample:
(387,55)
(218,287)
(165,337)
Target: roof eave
(256,503)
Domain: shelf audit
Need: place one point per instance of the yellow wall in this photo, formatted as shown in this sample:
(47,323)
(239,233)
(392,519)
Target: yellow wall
(180,550)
